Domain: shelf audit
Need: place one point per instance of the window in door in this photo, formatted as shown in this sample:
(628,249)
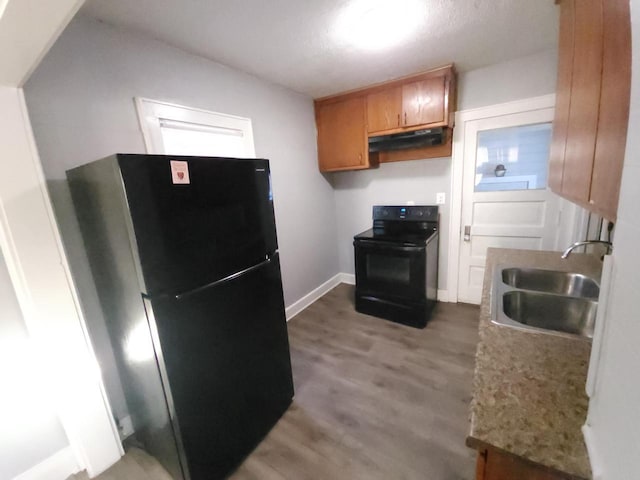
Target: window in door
(178,130)
(512,158)
(505,202)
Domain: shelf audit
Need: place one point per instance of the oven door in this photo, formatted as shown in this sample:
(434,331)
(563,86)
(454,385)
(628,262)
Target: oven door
(390,270)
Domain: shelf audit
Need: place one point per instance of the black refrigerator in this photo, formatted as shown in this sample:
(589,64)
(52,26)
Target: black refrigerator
(184,255)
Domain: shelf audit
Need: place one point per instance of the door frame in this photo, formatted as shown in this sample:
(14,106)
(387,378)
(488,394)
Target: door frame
(33,251)
(39,271)
(457,166)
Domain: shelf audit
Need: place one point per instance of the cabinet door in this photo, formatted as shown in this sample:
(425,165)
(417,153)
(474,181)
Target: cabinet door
(495,465)
(592,103)
(423,101)
(384,110)
(614,109)
(585,94)
(563,95)
(342,135)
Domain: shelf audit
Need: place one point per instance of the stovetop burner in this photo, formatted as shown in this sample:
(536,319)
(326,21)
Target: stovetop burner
(409,225)
(405,238)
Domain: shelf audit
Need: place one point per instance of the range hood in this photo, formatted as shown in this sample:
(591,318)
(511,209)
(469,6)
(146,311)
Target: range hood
(399,141)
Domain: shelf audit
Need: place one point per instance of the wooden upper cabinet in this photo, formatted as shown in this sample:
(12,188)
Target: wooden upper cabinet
(614,109)
(412,104)
(563,96)
(384,110)
(346,121)
(342,135)
(423,102)
(592,103)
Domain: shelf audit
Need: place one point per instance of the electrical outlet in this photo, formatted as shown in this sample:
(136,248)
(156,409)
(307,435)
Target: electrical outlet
(440,198)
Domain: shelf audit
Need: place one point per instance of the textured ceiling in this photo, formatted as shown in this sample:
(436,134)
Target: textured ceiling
(293,42)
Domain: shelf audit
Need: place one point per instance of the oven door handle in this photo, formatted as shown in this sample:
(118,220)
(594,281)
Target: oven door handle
(373,245)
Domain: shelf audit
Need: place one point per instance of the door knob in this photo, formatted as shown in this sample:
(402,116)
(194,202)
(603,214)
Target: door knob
(467,233)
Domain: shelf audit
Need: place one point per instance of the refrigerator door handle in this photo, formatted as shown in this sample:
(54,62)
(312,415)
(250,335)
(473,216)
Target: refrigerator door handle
(267,261)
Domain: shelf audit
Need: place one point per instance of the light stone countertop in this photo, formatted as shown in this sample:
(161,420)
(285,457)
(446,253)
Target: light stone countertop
(529,388)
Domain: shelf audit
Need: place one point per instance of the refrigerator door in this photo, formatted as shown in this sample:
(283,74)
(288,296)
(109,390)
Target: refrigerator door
(197,219)
(225,354)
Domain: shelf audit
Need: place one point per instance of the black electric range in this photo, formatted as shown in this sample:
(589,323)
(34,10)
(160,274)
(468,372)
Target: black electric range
(396,264)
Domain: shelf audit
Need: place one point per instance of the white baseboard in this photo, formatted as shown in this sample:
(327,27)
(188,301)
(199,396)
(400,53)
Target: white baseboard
(443,295)
(58,466)
(594,459)
(296,307)
(348,278)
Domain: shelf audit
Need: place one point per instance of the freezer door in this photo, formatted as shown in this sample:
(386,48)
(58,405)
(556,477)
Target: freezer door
(197,219)
(226,355)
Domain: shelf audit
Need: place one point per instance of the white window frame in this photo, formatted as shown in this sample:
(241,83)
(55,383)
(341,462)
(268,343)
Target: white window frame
(152,112)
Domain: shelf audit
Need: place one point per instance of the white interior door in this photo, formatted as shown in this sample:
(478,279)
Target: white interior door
(505,199)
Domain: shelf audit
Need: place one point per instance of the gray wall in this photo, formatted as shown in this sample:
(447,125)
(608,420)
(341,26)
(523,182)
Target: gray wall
(391,184)
(80,101)
(31,431)
(420,180)
(524,77)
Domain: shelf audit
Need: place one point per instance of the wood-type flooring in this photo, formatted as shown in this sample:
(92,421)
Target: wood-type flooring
(373,399)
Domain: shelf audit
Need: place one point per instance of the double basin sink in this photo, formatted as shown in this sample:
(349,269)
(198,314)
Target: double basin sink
(558,303)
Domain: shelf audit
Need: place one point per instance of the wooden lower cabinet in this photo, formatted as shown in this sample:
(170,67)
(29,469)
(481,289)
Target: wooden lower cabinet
(495,464)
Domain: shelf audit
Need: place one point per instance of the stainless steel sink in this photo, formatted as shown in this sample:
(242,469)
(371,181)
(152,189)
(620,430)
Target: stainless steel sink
(551,281)
(551,312)
(549,301)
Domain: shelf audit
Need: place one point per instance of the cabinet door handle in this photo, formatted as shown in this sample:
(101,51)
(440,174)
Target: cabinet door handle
(405,118)
(398,119)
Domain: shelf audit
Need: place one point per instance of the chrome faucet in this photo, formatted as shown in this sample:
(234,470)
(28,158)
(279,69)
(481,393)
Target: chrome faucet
(587,242)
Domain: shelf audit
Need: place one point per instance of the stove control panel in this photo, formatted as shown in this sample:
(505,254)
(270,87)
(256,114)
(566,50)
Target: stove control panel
(415,213)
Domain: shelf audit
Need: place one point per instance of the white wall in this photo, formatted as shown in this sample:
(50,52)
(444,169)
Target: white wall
(29,240)
(27,30)
(80,101)
(419,180)
(52,369)
(614,410)
(31,431)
